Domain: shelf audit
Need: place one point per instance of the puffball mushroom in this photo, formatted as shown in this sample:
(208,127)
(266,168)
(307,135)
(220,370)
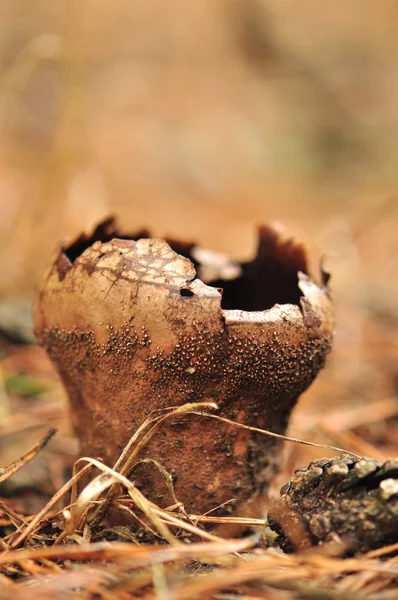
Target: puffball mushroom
(131,329)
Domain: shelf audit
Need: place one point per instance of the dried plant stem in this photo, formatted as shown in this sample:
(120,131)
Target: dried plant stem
(23,460)
(56,498)
(275,435)
(142,554)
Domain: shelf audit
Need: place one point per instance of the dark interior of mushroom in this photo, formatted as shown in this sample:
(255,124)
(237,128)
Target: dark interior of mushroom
(269,278)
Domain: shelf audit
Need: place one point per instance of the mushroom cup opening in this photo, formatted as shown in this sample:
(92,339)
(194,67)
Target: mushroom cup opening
(257,285)
(272,277)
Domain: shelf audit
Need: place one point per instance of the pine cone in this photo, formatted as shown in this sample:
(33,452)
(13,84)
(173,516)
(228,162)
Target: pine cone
(354,501)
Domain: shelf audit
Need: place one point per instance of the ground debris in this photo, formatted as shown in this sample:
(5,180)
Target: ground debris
(343,499)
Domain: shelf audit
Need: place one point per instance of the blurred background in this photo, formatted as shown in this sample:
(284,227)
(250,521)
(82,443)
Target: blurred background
(202,120)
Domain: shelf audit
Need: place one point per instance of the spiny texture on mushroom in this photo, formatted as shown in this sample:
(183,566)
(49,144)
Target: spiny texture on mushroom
(345,499)
(131,329)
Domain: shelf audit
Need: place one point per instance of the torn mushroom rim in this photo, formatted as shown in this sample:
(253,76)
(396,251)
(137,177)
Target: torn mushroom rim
(281,257)
(287,312)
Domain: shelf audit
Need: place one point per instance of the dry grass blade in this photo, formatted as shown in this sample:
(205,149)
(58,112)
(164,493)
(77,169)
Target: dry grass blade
(275,435)
(113,480)
(244,521)
(114,551)
(165,475)
(127,460)
(391,549)
(91,492)
(212,568)
(160,519)
(310,575)
(23,460)
(189,408)
(13,516)
(176,522)
(56,498)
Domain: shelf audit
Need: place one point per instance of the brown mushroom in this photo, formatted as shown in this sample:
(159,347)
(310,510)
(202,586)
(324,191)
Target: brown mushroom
(131,329)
